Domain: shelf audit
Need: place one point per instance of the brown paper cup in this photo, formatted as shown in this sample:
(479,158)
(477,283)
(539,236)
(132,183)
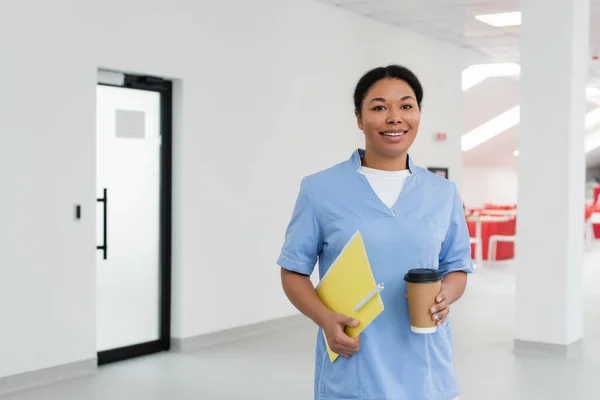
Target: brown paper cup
(422,286)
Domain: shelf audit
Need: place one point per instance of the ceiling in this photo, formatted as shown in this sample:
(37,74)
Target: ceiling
(499,150)
(454,21)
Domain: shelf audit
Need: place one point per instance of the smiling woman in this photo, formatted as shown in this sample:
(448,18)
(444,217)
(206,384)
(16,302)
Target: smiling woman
(409,218)
(387,105)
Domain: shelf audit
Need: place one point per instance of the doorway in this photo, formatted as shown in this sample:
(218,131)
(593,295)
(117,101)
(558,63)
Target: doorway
(133,216)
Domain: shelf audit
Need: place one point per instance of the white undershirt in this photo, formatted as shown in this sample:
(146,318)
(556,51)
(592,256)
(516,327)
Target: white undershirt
(386,184)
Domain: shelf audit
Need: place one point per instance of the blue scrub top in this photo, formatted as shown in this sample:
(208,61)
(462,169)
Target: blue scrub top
(426,228)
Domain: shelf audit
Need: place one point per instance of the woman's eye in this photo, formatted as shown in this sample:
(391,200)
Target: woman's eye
(406,107)
(379,108)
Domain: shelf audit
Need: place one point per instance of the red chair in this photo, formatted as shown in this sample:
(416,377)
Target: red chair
(594,219)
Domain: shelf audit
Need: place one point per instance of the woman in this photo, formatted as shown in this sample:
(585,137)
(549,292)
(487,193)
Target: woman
(409,218)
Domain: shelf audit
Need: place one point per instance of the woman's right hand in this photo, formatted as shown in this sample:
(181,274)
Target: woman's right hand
(338,340)
(301,292)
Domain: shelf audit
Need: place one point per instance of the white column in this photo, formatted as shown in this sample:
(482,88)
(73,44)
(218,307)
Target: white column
(554,65)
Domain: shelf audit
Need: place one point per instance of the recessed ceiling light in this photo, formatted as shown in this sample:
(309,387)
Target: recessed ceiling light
(592,118)
(491,128)
(511,118)
(592,141)
(501,19)
(592,91)
(477,73)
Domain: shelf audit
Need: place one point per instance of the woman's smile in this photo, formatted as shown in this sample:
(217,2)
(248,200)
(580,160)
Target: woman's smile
(394,136)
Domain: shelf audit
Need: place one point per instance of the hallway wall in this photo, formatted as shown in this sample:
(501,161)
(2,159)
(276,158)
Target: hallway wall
(263,97)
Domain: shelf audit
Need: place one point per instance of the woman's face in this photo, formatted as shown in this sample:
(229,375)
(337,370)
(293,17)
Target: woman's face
(390,117)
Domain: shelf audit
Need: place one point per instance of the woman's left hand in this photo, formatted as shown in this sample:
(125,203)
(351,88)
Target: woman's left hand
(440,310)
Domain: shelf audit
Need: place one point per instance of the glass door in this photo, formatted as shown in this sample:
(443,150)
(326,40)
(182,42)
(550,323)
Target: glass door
(133,218)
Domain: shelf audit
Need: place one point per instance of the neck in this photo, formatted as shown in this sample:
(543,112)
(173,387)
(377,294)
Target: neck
(384,163)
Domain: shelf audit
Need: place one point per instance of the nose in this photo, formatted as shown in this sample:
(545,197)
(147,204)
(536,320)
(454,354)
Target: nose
(394,117)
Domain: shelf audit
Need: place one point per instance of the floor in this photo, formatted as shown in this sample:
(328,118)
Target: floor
(280,366)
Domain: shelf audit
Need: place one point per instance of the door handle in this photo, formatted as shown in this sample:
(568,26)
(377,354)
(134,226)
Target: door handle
(104,201)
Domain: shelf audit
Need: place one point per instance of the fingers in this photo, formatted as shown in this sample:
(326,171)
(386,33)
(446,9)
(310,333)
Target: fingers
(441,316)
(346,346)
(346,341)
(341,343)
(347,321)
(441,297)
(440,311)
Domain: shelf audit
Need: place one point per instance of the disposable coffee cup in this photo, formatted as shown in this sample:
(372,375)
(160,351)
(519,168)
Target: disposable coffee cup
(422,286)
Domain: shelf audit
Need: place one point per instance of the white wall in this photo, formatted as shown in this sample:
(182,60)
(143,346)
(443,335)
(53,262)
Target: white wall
(482,185)
(264,97)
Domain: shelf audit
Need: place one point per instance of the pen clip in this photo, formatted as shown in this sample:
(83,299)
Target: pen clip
(374,292)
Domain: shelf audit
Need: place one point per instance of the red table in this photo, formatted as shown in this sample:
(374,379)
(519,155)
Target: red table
(504,250)
(505,207)
(589,210)
(593,213)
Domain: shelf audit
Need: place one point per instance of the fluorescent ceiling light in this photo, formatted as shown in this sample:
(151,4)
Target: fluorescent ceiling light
(592,141)
(501,19)
(491,128)
(511,118)
(593,94)
(477,73)
(592,118)
(592,91)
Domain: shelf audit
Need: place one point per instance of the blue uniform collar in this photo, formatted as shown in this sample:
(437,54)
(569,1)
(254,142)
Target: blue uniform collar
(355,161)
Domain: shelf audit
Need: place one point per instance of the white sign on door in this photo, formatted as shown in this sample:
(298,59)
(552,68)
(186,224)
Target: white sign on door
(130,124)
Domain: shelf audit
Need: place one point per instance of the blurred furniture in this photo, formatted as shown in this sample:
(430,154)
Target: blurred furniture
(493,209)
(594,221)
(589,210)
(498,212)
(476,243)
(592,216)
(500,207)
(588,235)
(493,244)
(481,228)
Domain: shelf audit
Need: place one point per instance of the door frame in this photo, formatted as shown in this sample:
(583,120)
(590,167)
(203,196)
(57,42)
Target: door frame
(165,89)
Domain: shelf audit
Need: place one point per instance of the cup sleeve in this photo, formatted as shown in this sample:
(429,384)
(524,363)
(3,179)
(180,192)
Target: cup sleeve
(303,236)
(455,254)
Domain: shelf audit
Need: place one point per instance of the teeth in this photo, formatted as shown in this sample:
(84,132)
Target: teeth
(393,134)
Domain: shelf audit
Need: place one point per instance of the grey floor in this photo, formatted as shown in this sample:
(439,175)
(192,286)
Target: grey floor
(280,365)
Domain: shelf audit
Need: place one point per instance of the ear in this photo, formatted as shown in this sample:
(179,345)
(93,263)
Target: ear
(359,120)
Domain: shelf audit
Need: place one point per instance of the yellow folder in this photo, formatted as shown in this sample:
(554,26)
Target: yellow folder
(349,288)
